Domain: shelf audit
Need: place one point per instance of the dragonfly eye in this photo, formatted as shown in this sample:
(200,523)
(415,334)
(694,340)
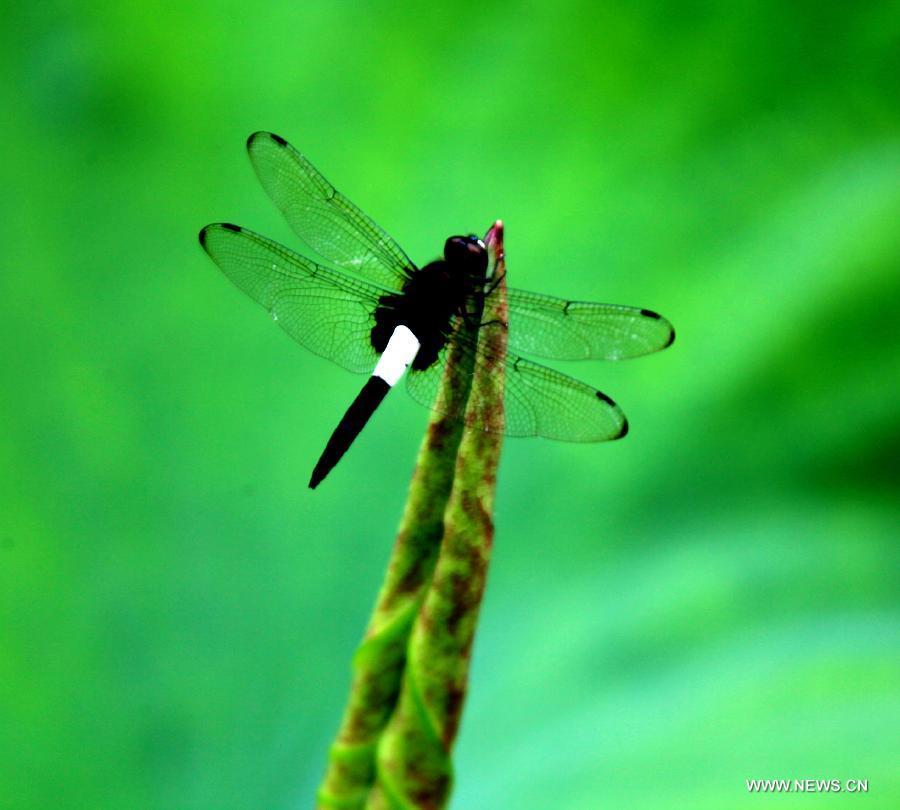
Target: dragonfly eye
(468,252)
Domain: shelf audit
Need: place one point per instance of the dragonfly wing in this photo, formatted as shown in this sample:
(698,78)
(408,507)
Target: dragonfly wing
(323,217)
(324,310)
(537,400)
(557,329)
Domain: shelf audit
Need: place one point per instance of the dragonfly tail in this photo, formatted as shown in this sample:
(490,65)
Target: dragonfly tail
(373,392)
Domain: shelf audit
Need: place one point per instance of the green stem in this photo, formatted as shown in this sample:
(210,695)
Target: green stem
(381,658)
(414,768)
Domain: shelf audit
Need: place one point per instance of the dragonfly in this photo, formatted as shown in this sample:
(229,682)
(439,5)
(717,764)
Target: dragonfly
(365,305)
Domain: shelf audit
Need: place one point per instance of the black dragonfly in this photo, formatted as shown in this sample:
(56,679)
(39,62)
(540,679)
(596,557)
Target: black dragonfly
(385,314)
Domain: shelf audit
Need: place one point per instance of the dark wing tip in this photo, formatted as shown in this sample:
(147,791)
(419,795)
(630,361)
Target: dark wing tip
(649,313)
(205,230)
(611,402)
(259,135)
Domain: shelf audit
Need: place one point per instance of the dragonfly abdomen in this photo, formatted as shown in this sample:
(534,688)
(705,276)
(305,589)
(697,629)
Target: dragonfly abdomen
(398,354)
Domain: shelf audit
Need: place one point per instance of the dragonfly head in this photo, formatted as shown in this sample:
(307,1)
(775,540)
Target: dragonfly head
(468,253)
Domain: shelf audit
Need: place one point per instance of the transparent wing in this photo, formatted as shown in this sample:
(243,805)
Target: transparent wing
(538,401)
(324,310)
(323,217)
(577,330)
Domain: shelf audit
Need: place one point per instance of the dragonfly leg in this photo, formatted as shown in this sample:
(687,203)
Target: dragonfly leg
(494,283)
(469,318)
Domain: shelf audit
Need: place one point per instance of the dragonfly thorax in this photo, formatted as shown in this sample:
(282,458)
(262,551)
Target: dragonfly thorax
(431,297)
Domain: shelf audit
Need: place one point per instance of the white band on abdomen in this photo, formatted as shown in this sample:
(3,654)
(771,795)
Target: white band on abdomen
(398,354)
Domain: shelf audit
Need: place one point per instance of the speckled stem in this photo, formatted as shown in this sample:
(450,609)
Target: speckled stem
(414,768)
(380,660)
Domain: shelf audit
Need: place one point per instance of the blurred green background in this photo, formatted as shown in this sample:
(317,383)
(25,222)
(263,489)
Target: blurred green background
(713,599)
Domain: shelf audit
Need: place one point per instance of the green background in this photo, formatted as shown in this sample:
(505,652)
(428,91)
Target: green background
(713,599)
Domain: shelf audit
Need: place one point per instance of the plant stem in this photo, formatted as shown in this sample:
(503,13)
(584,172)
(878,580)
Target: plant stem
(380,660)
(414,768)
